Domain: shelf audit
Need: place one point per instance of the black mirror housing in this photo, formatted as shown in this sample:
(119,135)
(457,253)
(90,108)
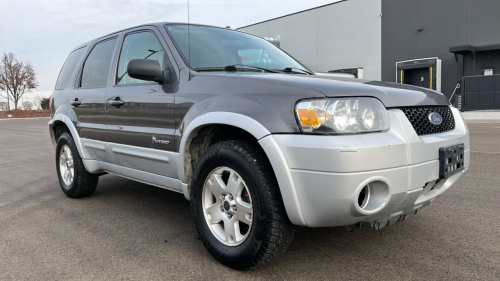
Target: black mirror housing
(145,69)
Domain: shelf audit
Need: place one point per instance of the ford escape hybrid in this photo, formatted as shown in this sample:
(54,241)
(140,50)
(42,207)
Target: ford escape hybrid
(250,136)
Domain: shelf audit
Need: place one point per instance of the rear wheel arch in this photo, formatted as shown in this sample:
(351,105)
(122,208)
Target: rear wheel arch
(61,123)
(59,128)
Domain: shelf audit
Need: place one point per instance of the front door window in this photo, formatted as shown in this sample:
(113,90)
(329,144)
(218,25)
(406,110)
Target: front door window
(142,45)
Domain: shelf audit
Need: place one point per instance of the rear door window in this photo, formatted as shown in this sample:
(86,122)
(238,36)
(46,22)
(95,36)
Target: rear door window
(68,68)
(141,45)
(96,68)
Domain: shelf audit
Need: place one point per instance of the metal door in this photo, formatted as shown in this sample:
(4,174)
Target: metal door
(88,99)
(140,114)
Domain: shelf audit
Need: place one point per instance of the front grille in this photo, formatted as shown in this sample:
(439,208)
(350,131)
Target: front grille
(419,119)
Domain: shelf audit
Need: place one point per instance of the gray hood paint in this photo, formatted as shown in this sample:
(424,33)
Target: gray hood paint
(391,94)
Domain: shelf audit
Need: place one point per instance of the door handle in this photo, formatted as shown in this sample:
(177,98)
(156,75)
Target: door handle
(75,102)
(116,102)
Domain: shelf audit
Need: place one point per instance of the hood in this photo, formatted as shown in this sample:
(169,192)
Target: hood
(390,94)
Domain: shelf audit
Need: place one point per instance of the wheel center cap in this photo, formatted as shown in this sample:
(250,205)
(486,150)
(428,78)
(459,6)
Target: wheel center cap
(226,206)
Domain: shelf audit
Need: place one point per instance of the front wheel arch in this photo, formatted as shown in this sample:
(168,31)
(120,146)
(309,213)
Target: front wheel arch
(192,129)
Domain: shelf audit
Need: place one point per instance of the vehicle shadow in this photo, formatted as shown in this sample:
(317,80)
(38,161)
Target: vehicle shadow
(313,251)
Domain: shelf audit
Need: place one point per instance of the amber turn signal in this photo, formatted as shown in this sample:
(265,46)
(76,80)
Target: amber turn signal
(308,117)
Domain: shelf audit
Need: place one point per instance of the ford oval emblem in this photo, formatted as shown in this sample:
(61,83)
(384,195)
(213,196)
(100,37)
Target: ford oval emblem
(435,118)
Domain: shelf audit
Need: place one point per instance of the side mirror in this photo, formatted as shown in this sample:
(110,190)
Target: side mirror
(145,69)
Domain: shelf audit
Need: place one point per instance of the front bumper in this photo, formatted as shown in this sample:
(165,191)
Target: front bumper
(321,177)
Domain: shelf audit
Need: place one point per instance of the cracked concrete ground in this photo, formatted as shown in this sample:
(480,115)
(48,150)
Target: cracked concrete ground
(133,231)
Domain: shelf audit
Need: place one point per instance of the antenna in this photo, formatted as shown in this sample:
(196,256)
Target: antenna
(189,39)
(189,47)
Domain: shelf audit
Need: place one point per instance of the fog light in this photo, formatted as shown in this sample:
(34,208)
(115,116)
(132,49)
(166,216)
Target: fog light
(373,197)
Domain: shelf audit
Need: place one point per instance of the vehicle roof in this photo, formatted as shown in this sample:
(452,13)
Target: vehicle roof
(157,24)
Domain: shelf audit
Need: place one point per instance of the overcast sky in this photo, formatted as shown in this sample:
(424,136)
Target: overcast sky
(44,32)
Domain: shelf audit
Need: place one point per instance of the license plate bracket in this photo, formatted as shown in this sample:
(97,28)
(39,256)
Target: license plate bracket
(451,160)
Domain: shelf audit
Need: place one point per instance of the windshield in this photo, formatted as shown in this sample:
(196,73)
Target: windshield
(213,47)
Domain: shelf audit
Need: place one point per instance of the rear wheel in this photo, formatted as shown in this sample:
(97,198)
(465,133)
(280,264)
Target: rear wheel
(74,180)
(237,207)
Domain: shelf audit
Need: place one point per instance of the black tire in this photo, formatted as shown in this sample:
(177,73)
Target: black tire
(84,183)
(271,231)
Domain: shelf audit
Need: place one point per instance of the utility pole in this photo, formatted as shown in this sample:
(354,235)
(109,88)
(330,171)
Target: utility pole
(8,102)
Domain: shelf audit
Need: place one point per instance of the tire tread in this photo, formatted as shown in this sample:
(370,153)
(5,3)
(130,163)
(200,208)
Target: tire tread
(279,229)
(85,183)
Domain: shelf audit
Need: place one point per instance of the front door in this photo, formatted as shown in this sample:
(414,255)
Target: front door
(140,114)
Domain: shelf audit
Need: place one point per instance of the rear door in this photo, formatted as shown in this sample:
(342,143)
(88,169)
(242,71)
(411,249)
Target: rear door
(141,127)
(88,99)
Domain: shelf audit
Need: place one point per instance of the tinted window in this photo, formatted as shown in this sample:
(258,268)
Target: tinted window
(96,67)
(143,45)
(68,68)
(217,47)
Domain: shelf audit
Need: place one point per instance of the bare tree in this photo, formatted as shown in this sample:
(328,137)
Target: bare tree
(38,102)
(27,105)
(16,78)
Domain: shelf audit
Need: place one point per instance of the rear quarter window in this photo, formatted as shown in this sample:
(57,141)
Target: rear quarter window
(68,67)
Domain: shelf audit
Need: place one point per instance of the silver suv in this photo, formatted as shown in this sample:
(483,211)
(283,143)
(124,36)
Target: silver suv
(250,136)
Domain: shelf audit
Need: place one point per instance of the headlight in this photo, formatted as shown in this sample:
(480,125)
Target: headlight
(342,115)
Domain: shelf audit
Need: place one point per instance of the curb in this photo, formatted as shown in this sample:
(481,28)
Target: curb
(2,119)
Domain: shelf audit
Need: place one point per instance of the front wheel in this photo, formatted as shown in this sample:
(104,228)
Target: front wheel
(237,206)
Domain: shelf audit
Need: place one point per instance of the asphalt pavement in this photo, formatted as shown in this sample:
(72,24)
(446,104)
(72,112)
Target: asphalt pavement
(481,115)
(133,231)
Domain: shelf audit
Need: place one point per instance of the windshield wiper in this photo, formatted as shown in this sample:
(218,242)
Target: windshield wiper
(290,70)
(251,66)
(212,68)
(233,67)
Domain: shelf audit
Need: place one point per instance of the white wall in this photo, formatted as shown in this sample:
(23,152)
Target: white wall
(342,35)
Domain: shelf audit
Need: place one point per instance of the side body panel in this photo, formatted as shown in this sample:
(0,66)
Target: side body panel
(267,102)
(91,114)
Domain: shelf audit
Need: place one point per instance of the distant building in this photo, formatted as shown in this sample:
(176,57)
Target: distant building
(429,43)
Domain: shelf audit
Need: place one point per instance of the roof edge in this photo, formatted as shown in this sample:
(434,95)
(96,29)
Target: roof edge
(471,48)
(339,1)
